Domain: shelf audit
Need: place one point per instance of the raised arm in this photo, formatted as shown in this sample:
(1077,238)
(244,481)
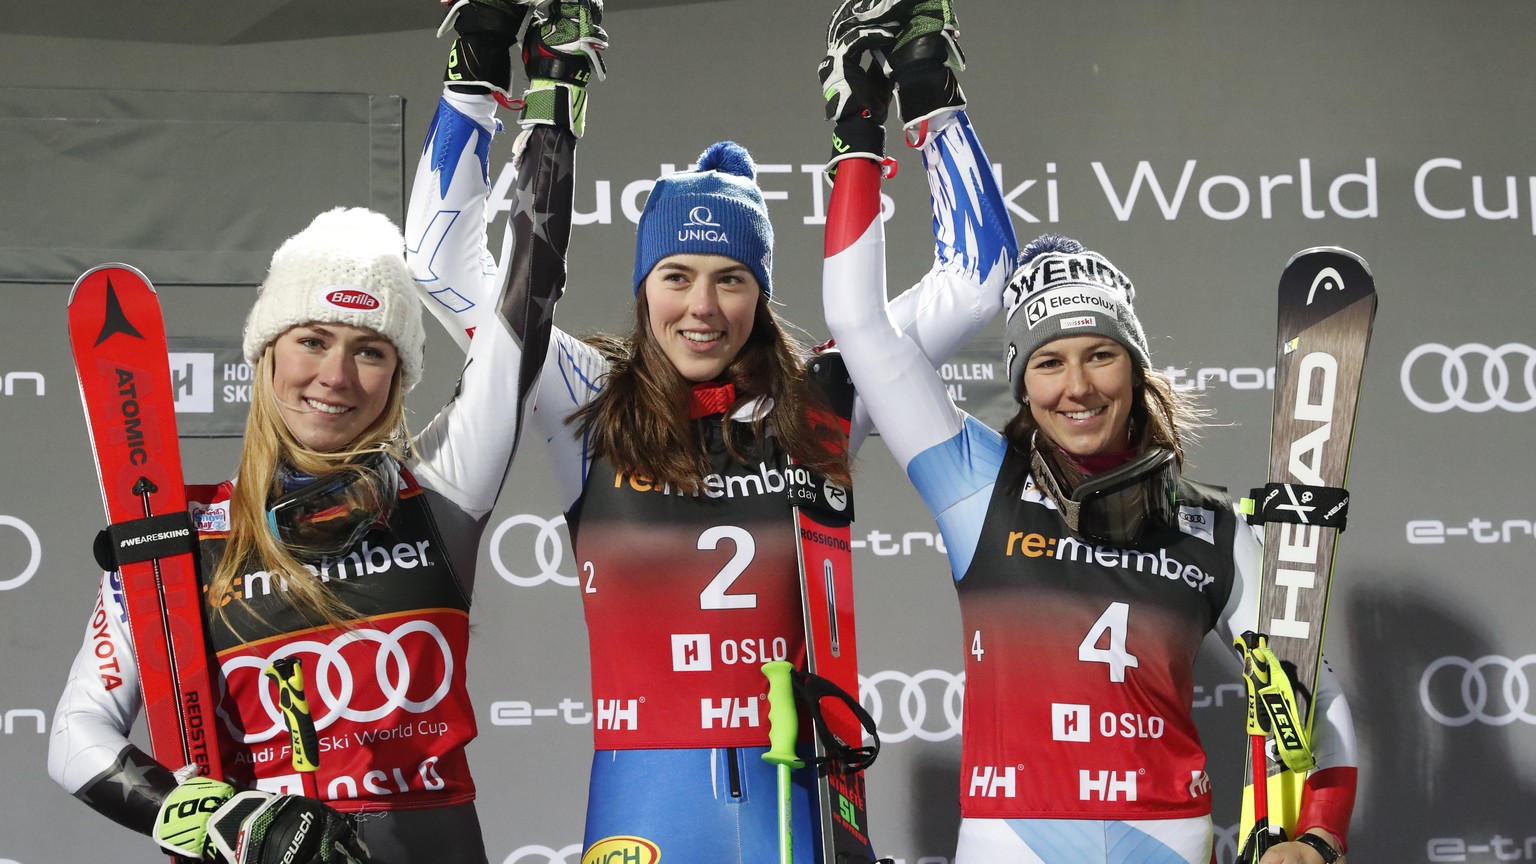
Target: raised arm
(508,309)
(912,47)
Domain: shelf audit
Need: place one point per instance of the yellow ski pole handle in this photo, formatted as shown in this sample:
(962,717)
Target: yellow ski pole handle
(783,731)
(304,742)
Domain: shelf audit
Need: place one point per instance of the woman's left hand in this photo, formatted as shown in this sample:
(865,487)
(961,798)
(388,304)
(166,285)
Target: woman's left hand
(1296,852)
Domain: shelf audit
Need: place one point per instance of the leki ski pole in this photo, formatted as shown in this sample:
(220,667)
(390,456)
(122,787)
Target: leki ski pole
(304,743)
(783,731)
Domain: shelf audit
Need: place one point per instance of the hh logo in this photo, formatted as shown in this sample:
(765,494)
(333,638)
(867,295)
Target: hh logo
(1106,785)
(728,713)
(990,781)
(690,652)
(1069,722)
(618,715)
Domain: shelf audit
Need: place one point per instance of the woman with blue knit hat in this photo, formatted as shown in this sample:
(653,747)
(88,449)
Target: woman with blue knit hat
(346,544)
(1089,572)
(667,447)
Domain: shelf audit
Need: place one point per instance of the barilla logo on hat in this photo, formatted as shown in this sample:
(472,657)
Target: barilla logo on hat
(1065,302)
(349,297)
(701,225)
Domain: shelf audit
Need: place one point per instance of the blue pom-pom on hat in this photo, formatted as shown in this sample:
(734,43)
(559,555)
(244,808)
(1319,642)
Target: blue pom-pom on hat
(715,209)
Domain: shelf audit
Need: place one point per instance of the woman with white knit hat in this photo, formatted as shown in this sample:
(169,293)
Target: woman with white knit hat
(343,542)
(667,447)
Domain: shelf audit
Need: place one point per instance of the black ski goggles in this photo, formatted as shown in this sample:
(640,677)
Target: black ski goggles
(329,515)
(1119,506)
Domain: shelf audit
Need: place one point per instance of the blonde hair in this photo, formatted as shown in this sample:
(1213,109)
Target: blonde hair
(268,446)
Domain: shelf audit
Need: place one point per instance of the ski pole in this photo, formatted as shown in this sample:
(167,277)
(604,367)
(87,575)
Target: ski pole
(1262,836)
(783,731)
(304,743)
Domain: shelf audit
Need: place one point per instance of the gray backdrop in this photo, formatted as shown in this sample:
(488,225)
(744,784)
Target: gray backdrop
(1198,144)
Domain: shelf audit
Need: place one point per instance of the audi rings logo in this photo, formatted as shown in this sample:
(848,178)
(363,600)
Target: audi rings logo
(548,551)
(1473,377)
(926,705)
(536,854)
(332,691)
(1491,689)
(33,558)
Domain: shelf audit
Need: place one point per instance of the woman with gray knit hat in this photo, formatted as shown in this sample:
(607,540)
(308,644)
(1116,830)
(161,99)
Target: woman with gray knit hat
(346,544)
(668,447)
(1089,572)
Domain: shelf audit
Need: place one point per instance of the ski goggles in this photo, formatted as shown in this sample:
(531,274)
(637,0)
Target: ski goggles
(329,515)
(1117,506)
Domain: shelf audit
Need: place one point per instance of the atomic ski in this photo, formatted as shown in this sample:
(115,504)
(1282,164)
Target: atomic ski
(823,513)
(118,340)
(1327,304)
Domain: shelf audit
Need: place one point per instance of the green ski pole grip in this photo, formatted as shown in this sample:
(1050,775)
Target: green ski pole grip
(783,722)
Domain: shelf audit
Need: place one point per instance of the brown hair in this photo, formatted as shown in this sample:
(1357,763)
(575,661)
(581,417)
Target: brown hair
(269,445)
(639,420)
(1161,416)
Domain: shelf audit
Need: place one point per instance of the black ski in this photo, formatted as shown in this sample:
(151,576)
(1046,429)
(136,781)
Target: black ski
(1327,304)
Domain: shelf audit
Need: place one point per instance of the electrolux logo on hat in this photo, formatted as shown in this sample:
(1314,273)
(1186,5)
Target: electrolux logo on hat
(1086,300)
(701,225)
(349,297)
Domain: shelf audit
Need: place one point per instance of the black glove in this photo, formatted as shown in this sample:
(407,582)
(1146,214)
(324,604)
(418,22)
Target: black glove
(853,78)
(481,57)
(923,62)
(262,828)
(209,821)
(561,53)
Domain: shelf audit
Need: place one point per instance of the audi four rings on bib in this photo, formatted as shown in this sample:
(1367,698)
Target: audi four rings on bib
(327,668)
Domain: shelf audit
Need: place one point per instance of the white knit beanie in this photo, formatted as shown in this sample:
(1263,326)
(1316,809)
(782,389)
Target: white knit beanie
(347,267)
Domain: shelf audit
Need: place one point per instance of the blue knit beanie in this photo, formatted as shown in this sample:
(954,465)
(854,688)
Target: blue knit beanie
(715,210)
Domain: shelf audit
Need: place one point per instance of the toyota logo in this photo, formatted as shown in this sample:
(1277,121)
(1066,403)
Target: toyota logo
(1507,378)
(33,559)
(326,669)
(536,854)
(909,698)
(548,551)
(1491,689)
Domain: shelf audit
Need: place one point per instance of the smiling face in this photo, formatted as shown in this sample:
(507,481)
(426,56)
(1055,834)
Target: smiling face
(331,382)
(1080,391)
(701,309)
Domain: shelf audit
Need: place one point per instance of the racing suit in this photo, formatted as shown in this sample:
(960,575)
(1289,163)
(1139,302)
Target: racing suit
(388,696)
(686,594)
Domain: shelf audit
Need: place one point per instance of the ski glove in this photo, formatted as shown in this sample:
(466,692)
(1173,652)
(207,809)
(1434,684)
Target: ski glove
(853,79)
(923,63)
(207,820)
(561,53)
(481,57)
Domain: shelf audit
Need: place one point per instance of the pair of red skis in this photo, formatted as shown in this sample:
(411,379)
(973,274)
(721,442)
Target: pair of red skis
(117,335)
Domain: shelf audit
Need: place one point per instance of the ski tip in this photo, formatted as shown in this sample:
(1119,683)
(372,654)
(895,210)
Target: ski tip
(1331,250)
(128,270)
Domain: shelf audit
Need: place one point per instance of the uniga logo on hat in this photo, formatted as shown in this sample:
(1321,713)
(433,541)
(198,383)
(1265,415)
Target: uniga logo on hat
(701,225)
(349,297)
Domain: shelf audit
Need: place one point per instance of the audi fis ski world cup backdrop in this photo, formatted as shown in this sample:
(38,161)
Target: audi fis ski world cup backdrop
(1197,145)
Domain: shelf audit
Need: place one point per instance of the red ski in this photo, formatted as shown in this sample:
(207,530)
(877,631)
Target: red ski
(823,515)
(118,340)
